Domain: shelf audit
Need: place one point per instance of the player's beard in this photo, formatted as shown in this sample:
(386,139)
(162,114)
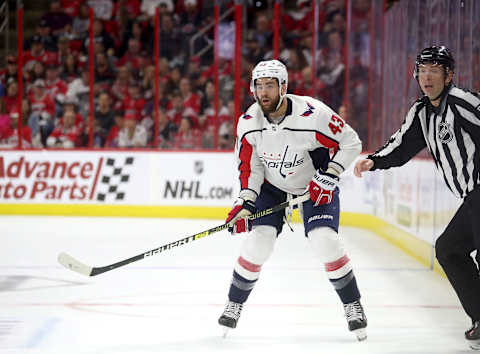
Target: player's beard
(269,107)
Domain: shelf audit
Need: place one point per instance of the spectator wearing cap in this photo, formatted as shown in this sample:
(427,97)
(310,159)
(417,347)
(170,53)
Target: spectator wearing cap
(132,135)
(67,134)
(56,18)
(148,6)
(10,70)
(42,111)
(9,136)
(42,31)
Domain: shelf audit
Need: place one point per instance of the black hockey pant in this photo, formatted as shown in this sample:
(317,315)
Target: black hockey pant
(453,249)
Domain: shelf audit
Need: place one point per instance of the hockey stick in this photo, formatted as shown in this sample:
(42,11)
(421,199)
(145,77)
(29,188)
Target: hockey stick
(73,264)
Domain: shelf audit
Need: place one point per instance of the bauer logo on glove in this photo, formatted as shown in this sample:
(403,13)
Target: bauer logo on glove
(322,187)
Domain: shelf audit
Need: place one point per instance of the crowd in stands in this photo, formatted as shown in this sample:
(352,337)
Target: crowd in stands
(56,80)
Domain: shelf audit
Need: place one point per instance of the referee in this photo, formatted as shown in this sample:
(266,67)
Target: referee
(446,120)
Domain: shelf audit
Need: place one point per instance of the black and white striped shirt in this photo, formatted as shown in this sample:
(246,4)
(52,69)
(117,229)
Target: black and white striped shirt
(452,134)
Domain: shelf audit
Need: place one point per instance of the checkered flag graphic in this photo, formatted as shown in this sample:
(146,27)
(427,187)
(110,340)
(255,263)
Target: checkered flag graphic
(114,174)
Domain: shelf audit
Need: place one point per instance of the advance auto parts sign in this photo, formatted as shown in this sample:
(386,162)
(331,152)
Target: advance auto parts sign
(66,177)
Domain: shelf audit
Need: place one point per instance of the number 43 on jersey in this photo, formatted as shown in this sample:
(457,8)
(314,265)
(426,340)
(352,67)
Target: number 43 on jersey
(336,124)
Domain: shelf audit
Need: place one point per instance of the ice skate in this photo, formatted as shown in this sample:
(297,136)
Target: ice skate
(473,336)
(357,321)
(230,316)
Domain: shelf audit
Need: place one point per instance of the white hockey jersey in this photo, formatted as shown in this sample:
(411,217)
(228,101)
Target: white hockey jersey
(287,154)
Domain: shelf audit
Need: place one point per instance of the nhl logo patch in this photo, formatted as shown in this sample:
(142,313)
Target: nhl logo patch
(445,132)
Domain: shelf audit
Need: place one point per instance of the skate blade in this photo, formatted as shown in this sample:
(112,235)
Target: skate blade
(474,344)
(225,331)
(361,334)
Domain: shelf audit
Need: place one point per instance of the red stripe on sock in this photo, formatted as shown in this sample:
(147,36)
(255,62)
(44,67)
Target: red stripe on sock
(339,263)
(249,266)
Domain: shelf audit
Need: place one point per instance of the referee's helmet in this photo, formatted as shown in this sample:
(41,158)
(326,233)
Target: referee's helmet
(439,55)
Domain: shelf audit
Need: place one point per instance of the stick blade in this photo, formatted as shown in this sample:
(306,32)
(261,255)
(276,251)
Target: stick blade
(73,264)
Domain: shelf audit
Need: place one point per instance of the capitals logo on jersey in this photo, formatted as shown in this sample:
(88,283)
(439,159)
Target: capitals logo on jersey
(285,164)
(309,111)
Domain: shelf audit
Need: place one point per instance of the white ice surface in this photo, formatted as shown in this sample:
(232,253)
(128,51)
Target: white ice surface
(170,303)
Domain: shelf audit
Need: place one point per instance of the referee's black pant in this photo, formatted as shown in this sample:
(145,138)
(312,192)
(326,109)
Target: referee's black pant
(453,249)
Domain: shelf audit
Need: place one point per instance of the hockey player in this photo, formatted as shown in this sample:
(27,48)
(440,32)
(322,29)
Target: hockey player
(446,120)
(282,149)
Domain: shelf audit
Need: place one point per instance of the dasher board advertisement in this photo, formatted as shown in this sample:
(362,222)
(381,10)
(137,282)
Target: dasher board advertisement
(123,178)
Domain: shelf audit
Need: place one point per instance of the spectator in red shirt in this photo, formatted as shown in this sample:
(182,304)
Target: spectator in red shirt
(53,84)
(37,53)
(187,136)
(112,138)
(11,98)
(134,103)
(131,6)
(190,99)
(132,55)
(9,137)
(71,7)
(67,134)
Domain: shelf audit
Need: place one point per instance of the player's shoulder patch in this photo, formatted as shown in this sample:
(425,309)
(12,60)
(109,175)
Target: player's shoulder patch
(309,110)
(246,116)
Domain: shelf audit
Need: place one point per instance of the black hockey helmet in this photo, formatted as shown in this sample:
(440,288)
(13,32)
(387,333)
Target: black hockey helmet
(440,55)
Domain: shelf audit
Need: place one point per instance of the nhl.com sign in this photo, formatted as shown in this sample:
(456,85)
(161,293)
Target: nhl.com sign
(43,177)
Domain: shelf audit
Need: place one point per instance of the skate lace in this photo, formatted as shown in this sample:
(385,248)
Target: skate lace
(353,311)
(233,310)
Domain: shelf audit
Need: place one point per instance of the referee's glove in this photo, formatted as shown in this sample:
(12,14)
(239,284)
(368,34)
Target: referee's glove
(237,217)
